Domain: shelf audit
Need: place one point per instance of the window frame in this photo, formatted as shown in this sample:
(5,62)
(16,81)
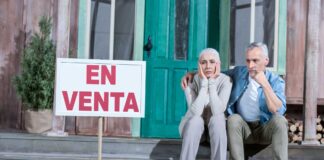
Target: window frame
(279,39)
(84,29)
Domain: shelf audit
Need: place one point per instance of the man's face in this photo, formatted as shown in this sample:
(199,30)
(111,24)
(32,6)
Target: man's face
(256,61)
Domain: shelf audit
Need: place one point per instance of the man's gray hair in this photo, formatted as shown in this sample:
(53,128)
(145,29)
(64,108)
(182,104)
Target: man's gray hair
(210,50)
(260,45)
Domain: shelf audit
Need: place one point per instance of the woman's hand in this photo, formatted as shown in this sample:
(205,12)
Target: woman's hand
(217,71)
(201,72)
(186,79)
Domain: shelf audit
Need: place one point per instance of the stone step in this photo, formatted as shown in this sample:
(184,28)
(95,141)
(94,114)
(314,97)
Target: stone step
(88,145)
(65,156)
(34,146)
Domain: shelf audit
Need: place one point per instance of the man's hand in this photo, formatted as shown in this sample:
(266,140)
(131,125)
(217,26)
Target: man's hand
(261,78)
(186,79)
(273,102)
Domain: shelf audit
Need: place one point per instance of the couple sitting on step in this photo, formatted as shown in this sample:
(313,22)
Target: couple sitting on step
(252,98)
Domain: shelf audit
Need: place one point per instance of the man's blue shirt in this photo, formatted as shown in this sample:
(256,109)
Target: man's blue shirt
(240,78)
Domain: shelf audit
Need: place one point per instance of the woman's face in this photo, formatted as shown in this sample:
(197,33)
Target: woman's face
(208,63)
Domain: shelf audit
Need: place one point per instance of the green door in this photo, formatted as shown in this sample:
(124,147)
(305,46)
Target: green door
(178,31)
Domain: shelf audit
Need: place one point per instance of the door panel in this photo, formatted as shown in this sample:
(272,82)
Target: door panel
(178,100)
(172,55)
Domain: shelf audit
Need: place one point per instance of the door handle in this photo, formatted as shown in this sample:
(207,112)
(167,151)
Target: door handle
(148,46)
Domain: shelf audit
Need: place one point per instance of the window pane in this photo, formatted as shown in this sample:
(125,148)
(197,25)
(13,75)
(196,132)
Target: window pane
(124,29)
(240,32)
(267,18)
(181,29)
(240,28)
(100,28)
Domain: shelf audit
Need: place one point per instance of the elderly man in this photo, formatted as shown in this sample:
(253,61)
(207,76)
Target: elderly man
(256,105)
(207,98)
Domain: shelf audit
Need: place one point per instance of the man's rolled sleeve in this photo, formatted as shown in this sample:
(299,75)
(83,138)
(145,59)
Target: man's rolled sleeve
(279,89)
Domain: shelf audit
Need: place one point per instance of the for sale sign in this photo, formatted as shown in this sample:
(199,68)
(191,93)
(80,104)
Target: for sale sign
(106,88)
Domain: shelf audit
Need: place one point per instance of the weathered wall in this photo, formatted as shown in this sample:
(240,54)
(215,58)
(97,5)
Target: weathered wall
(296,49)
(321,60)
(18,20)
(11,44)
(296,37)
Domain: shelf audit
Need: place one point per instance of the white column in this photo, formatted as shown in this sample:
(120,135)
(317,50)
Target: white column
(311,72)
(62,51)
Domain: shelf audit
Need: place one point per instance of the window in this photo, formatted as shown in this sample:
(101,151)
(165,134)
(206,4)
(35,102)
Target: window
(99,18)
(255,20)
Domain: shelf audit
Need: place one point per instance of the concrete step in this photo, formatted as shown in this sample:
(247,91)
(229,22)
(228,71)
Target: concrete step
(65,156)
(120,148)
(34,146)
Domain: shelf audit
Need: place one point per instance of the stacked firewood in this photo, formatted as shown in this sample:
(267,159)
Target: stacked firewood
(295,130)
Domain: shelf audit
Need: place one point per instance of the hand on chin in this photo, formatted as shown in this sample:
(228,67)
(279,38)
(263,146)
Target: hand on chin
(252,73)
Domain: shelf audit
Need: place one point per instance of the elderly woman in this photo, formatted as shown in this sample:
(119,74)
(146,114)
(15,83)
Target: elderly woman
(207,98)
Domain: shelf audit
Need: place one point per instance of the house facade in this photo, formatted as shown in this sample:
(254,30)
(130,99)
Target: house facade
(177,30)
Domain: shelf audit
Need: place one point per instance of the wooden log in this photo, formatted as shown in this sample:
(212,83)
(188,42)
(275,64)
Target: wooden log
(291,121)
(300,128)
(319,128)
(298,123)
(292,128)
(295,138)
(322,140)
(318,136)
(318,119)
(290,137)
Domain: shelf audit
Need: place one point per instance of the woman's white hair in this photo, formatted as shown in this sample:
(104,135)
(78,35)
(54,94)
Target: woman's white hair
(209,50)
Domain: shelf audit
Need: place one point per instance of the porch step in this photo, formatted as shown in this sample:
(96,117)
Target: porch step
(65,156)
(33,146)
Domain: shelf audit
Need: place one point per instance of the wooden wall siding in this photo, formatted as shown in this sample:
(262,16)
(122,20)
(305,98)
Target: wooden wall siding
(11,45)
(74,28)
(54,10)
(296,32)
(117,126)
(18,21)
(321,60)
(296,43)
(86,126)
(33,11)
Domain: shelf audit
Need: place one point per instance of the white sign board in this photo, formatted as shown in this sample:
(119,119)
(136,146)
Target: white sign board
(107,88)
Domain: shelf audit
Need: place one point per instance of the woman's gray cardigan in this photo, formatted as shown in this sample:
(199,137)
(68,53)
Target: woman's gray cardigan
(202,93)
